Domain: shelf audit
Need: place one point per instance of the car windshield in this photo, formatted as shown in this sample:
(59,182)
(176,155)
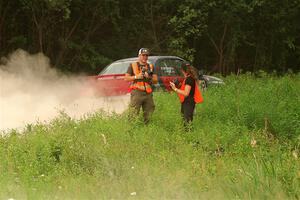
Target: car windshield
(168,67)
(117,67)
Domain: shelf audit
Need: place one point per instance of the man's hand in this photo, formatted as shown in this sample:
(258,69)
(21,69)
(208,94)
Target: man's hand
(129,77)
(147,75)
(139,76)
(154,78)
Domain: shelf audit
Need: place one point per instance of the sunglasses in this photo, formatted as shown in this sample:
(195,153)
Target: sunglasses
(145,55)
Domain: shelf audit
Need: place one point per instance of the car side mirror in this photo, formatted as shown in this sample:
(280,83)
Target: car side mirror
(200,74)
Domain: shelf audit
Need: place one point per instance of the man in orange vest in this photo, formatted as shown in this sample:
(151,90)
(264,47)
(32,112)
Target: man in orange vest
(142,76)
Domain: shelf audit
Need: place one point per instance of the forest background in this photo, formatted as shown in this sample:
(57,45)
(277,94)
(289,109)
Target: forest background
(216,36)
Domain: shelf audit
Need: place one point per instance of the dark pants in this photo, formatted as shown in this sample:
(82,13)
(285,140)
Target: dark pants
(187,110)
(142,99)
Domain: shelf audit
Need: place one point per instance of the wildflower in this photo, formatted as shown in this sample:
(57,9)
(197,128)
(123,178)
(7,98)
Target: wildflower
(295,154)
(133,193)
(104,138)
(253,142)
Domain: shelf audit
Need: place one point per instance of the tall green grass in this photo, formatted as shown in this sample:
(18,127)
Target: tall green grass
(244,145)
(268,102)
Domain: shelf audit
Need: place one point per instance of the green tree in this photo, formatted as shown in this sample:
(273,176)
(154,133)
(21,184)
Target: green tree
(219,36)
(227,35)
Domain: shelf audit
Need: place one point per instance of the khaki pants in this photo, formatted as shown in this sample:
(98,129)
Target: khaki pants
(142,99)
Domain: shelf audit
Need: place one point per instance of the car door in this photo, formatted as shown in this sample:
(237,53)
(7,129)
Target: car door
(167,70)
(110,81)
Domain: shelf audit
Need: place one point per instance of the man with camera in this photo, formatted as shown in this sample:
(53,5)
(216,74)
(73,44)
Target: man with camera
(142,76)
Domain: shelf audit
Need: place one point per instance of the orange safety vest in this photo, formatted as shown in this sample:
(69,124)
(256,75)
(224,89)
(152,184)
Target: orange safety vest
(140,84)
(198,98)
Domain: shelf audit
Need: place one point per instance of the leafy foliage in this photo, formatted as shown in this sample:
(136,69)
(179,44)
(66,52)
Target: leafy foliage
(217,36)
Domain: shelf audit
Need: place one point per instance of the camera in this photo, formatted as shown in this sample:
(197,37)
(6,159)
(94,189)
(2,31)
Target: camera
(176,83)
(144,70)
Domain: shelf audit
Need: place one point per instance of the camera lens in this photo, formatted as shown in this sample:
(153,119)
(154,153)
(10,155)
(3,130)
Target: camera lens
(176,82)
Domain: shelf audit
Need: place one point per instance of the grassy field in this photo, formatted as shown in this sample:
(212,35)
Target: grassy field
(245,144)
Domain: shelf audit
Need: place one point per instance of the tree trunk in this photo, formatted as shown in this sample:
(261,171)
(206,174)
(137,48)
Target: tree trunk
(3,11)
(39,27)
(64,44)
(220,50)
(156,43)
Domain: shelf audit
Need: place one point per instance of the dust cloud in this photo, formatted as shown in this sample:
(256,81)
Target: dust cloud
(31,91)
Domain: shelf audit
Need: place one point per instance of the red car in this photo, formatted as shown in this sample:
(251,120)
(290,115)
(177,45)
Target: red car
(110,81)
